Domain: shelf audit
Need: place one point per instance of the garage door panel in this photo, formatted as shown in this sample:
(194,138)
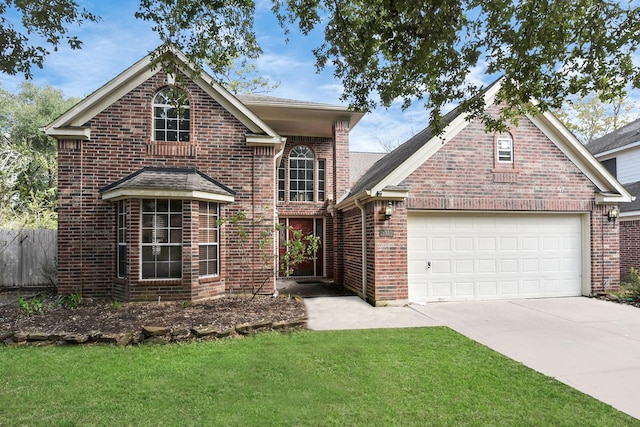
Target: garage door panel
(441,244)
(494,256)
(463,266)
(508,243)
(508,266)
(509,288)
(487,244)
(463,244)
(487,288)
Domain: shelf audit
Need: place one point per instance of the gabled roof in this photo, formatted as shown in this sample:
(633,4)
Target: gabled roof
(384,179)
(617,140)
(73,123)
(185,183)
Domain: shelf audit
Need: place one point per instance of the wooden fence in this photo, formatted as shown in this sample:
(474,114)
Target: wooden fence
(28,258)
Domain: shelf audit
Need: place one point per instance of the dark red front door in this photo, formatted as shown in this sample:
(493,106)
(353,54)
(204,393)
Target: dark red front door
(309,226)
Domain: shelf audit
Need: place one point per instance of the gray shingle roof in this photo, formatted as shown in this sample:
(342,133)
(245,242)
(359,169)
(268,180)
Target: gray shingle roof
(634,189)
(170,179)
(618,138)
(361,162)
(397,157)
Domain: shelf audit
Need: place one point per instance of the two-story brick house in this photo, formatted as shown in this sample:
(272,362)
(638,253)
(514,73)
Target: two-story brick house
(142,185)
(619,152)
(466,214)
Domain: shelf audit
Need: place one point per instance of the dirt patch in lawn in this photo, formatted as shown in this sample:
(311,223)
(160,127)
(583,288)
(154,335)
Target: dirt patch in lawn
(108,317)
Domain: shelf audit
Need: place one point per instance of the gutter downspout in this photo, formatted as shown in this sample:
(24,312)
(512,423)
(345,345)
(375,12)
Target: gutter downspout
(364,248)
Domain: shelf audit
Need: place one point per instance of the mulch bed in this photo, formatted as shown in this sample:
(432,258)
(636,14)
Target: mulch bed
(99,317)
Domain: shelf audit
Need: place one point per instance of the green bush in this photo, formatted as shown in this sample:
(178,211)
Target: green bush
(31,306)
(632,285)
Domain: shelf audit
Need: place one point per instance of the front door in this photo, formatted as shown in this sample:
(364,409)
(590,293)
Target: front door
(309,226)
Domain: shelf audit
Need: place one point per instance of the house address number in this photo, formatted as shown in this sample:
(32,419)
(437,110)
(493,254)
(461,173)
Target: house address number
(386,232)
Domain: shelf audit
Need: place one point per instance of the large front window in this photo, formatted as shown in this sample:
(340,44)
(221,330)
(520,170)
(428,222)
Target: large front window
(171,116)
(209,237)
(161,239)
(301,174)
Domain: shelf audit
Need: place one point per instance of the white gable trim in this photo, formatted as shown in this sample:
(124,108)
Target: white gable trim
(431,147)
(611,191)
(135,75)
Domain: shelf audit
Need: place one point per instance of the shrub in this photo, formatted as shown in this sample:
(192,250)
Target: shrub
(632,285)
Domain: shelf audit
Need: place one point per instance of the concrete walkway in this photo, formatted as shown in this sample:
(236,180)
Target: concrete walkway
(591,345)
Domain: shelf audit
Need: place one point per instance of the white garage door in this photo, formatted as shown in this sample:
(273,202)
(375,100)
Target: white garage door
(490,256)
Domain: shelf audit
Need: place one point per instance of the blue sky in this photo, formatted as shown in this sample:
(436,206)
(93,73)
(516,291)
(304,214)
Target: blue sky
(119,40)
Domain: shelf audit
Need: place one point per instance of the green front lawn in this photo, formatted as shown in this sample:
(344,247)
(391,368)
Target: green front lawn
(422,376)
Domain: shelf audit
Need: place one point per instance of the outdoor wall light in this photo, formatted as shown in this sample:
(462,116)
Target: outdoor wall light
(388,211)
(612,215)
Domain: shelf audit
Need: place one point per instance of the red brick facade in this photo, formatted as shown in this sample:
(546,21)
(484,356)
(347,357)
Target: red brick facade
(361,248)
(121,143)
(629,246)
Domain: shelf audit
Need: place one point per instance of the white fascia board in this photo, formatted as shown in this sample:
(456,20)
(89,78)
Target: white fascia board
(611,198)
(581,157)
(139,193)
(81,133)
(102,98)
(432,146)
(397,195)
(265,140)
(422,155)
(232,104)
(629,216)
(135,75)
(613,152)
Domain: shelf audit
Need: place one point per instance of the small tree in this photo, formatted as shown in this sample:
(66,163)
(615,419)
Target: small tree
(299,248)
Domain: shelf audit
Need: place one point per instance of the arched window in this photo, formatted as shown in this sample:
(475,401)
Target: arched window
(171,115)
(301,174)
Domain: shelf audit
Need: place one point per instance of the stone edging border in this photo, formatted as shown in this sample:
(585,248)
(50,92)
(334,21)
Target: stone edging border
(149,334)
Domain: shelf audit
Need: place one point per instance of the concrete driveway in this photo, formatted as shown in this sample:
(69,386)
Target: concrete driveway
(591,345)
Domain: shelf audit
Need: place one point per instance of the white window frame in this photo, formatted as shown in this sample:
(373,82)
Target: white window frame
(164,241)
(305,186)
(174,127)
(209,238)
(504,149)
(122,254)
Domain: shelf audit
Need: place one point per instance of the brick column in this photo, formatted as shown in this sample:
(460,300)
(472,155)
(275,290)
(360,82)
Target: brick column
(70,216)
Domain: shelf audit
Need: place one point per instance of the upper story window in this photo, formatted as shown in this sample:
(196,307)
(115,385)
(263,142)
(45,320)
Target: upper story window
(504,149)
(301,174)
(171,115)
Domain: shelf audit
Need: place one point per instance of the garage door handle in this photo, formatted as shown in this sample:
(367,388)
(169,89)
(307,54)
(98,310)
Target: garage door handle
(428,265)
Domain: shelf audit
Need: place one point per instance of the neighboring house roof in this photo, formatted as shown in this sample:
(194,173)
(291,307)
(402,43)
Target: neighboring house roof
(361,162)
(634,189)
(385,179)
(72,124)
(616,140)
(188,183)
(300,118)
